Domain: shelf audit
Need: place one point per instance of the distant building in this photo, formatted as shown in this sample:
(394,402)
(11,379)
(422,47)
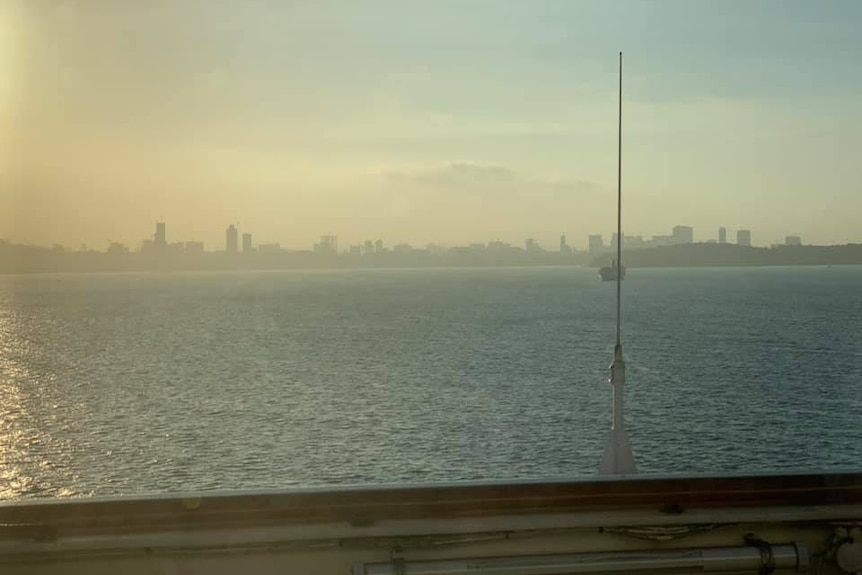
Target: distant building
(596,243)
(743,238)
(328,245)
(176,248)
(194,247)
(368,247)
(246,244)
(160,239)
(683,235)
(564,247)
(630,242)
(661,240)
(116,249)
(792,241)
(355,250)
(403,249)
(722,235)
(530,245)
(378,247)
(232,239)
(634,242)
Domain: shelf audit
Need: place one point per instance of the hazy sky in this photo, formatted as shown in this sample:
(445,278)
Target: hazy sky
(435,120)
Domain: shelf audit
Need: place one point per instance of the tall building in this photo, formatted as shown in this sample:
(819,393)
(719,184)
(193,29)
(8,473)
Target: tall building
(231,239)
(246,244)
(530,245)
(161,237)
(743,238)
(369,247)
(596,244)
(683,235)
(378,247)
(564,247)
(722,235)
(792,241)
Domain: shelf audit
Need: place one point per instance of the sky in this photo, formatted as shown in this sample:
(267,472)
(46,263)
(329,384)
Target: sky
(447,121)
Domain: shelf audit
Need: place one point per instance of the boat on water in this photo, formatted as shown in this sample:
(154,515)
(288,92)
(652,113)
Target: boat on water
(609,273)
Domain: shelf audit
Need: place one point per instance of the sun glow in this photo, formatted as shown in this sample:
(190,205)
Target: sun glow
(8,68)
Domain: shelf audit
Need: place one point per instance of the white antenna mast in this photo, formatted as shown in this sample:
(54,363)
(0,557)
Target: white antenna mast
(618,459)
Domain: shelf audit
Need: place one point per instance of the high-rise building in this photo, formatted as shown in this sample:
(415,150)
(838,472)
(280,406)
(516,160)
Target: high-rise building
(246,244)
(231,239)
(530,245)
(683,235)
(564,247)
(378,247)
(596,244)
(792,241)
(722,235)
(743,238)
(160,238)
(369,247)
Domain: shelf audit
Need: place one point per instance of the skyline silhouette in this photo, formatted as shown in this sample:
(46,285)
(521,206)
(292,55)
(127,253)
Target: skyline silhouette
(160,241)
(677,249)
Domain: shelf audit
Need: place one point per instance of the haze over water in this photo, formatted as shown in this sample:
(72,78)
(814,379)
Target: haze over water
(142,383)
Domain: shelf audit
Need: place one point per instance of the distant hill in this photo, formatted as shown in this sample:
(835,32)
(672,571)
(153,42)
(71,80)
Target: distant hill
(710,255)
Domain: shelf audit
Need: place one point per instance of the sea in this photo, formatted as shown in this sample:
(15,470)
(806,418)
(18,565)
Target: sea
(140,383)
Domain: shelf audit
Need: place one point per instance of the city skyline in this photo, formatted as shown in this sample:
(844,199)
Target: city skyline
(677,249)
(296,120)
(543,238)
(160,241)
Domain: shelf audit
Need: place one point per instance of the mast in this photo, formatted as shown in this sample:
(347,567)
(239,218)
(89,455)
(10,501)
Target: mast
(619,202)
(618,458)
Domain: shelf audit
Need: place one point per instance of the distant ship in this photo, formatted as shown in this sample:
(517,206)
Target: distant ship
(609,273)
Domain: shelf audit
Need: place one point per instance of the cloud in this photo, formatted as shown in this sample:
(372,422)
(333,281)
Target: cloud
(474,178)
(467,174)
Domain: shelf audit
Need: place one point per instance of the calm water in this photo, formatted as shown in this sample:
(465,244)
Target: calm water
(126,384)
